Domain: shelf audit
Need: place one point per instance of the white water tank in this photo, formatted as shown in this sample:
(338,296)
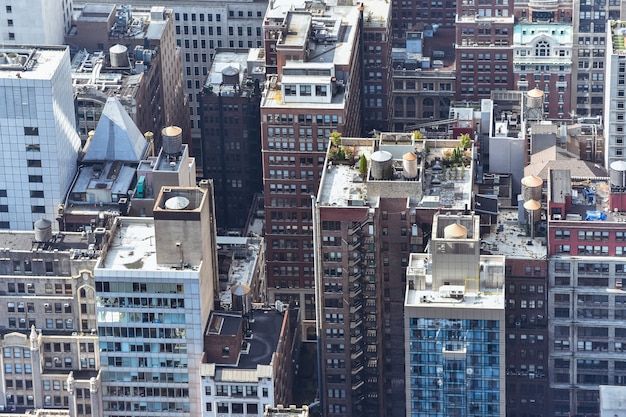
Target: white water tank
(409,165)
(455,231)
(172,137)
(535,99)
(119,56)
(617,171)
(43,230)
(532,188)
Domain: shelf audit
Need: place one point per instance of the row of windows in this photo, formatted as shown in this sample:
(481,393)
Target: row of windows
(22,307)
(17,368)
(58,324)
(209,16)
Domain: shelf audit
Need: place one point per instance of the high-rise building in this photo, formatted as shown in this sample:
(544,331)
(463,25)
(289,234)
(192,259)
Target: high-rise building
(157,286)
(313,54)
(586,300)
(484,48)
(38,22)
(369,218)
(591,39)
(38,124)
(231,135)
(422,91)
(454,324)
(377,86)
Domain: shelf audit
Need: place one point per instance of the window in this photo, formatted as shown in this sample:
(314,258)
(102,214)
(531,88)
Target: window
(305,90)
(33,163)
(31,131)
(36,194)
(35,178)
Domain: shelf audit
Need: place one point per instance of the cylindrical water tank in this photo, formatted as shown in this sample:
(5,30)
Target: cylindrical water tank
(617,171)
(533,207)
(531,188)
(172,140)
(119,56)
(382,165)
(409,165)
(230,76)
(43,230)
(535,99)
(455,231)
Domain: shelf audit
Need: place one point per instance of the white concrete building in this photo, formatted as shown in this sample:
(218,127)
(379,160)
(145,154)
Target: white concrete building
(39,144)
(34,22)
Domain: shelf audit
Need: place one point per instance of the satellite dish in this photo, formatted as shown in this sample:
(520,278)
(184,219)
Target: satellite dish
(177,203)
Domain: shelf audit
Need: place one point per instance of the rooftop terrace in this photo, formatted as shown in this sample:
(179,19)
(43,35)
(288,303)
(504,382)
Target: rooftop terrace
(426,181)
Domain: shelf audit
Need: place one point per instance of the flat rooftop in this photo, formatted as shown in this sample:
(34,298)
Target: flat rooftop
(31,62)
(429,186)
(25,241)
(133,247)
(455,296)
(245,258)
(511,239)
(265,324)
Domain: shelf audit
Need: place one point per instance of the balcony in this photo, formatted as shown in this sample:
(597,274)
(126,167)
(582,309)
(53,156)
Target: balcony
(355,261)
(358,306)
(356,339)
(356,355)
(356,323)
(357,369)
(355,277)
(357,385)
(356,290)
(356,244)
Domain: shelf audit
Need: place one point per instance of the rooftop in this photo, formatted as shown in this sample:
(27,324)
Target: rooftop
(245,258)
(25,241)
(129,22)
(92,75)
(30,62)
(265,325)
(133,247)
(420,291)
(426,182)
(228,72)
(325,31)
(511,239)
(612,403)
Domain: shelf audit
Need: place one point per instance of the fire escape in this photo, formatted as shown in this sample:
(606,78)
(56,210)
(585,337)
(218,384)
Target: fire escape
(364,320)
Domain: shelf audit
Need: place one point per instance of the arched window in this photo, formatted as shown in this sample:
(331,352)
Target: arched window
(542,48)
(428,102)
